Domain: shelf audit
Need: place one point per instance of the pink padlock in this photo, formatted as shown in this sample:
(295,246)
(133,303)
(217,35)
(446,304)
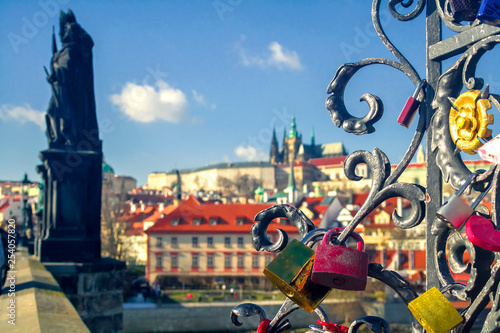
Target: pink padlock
(490,151)
(481,232)
(338,266)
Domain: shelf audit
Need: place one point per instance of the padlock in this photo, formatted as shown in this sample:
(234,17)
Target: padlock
(464,10)
(481,232)
(434,312)
(330,327)
(411,106)
(489,12)
(455,211)
(291,271)
(340,267)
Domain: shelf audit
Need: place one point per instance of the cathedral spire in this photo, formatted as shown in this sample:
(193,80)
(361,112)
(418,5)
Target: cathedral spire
(312,138)
(293,131)
(274,154)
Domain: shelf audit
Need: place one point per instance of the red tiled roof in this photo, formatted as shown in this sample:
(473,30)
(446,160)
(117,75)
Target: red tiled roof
(137,215)
(4,207)
(328,161)
(226,214)
(312,200)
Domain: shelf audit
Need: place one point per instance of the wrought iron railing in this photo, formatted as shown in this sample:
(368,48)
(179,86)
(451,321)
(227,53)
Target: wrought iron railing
(445,247)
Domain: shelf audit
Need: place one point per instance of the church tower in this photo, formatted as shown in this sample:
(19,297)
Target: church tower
(293,142)
(275,152)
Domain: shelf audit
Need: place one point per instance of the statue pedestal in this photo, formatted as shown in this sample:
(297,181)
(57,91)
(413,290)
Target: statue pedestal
(71,224)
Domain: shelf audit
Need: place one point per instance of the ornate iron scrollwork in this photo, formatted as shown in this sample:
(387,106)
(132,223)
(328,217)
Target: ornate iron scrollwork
(447,248)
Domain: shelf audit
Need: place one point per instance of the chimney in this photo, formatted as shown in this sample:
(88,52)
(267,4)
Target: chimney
(161,206)
(143,206)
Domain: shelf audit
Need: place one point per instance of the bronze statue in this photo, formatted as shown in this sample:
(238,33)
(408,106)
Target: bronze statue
(71,114)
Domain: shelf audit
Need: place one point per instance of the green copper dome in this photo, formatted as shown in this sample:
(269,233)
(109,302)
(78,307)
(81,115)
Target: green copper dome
(106,168)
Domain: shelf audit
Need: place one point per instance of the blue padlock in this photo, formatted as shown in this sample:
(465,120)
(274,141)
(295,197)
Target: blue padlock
(489,12)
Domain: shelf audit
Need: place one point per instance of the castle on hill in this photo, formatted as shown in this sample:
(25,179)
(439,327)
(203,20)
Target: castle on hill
(293,149)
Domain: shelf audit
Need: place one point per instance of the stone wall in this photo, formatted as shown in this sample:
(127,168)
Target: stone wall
(95,290)
(33,299)
(214,317)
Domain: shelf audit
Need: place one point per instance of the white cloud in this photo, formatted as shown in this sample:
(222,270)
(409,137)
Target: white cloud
(145,103)
(202,101)
(250,153)
(278,57)
(282,57)
(22,114)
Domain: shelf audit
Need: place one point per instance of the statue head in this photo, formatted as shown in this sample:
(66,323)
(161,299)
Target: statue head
(65,22)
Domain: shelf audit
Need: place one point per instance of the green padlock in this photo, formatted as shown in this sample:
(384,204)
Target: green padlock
(434,312)
(291,272)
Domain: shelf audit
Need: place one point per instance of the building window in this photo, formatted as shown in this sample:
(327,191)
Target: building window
(240,261)
(174,242)
(195,241)
(210,261)
(227,261)
(213,221)
(159,261)
(240,221)
(196,221)
(255,261)
(175,221)
(267,260)
(159,241)
(210,242)
(174,260)
(227,241)
(240,242)
(195,261)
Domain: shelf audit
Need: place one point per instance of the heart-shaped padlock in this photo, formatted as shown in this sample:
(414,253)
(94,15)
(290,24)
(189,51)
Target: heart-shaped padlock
(481,232)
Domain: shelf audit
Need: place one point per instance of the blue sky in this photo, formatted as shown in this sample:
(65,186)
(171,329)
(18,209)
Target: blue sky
(184,84)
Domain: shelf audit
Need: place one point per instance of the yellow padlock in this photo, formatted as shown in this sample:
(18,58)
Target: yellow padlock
(434,312)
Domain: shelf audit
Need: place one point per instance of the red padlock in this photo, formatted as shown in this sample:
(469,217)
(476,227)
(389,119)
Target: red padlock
(340,267)
(411,106)
(481,232)
(333,327)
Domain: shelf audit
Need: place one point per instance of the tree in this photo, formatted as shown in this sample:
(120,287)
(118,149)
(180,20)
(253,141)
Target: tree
(224,184)
(112,230)
(246,185)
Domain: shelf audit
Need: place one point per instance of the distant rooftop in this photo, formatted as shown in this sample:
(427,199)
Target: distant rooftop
(230,165)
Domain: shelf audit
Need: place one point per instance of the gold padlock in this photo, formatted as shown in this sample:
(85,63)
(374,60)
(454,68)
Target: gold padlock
(434,312)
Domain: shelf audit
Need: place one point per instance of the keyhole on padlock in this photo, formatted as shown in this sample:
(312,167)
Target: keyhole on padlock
(288,291)
(339,281)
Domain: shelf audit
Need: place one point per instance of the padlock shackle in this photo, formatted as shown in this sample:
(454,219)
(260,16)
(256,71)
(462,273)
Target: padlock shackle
(337,231)
(452,286)
(420,86)
(468,182)
(313,233)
